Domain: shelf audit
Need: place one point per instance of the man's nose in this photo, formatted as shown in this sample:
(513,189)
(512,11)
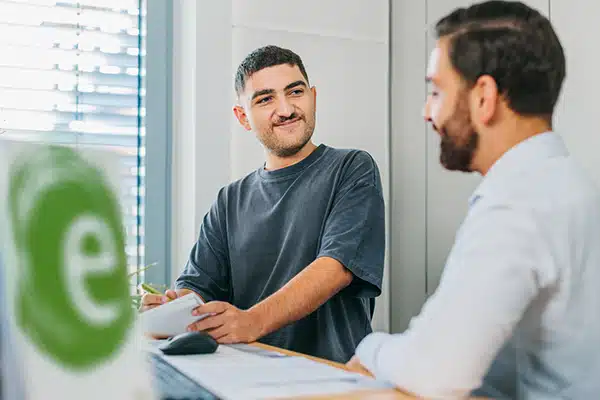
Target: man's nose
(427,111)
(284,108)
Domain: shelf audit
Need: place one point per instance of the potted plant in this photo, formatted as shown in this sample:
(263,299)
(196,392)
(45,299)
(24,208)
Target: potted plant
(139,290)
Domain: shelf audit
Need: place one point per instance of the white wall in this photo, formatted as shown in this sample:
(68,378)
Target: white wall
(201,111)
(344,45)
(408,163)
(576,119)
(428,203)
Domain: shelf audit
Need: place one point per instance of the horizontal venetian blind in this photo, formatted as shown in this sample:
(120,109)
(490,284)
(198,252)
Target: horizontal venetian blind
(72,72)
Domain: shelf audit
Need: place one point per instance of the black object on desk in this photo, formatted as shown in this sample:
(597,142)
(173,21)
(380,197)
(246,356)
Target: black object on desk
(172,384)
(190,343)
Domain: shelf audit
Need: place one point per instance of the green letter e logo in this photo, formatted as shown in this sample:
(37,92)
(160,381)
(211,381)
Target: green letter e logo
(73,301)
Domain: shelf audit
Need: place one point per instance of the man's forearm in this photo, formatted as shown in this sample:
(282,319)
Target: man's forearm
(316,284)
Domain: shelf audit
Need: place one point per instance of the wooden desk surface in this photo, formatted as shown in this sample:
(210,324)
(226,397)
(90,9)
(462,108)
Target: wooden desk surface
(383,394)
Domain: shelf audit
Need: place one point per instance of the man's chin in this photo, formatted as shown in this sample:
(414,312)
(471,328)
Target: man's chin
(458,158)
(454,163)
(457,168)
(291,149)
(287,151)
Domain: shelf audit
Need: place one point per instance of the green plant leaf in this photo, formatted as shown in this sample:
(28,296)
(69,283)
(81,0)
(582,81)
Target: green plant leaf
(134,273)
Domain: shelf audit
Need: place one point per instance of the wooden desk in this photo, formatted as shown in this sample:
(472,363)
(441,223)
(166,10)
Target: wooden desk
(383,394)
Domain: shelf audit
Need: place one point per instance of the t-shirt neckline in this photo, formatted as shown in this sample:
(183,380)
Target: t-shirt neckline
(295,168)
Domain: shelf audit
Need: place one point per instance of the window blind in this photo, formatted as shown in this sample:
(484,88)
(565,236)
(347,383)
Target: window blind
(73,72)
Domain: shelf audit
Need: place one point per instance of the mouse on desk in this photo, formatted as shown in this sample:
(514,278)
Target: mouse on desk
(194,342)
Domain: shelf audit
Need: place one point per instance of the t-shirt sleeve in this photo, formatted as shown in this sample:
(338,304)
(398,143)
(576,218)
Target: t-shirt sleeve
(207,269)
(354,232)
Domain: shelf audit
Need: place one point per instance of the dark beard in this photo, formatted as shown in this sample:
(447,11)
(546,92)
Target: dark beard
(458,140)
(277,148)
(284,152)
(456,157)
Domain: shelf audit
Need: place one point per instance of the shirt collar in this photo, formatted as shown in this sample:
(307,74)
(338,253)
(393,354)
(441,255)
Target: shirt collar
(521,156)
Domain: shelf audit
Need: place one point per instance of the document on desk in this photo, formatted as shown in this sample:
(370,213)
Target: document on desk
(233,373)
(171,318)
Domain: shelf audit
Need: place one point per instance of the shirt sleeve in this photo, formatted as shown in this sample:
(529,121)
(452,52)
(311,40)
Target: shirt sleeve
(354,231)
(499,264)
(207,269)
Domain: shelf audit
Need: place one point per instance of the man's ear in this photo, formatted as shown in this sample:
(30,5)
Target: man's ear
(314,92)
(241,116)
(484,99)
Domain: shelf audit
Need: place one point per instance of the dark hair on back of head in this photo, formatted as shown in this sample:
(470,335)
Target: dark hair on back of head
(264,57)
(512,43)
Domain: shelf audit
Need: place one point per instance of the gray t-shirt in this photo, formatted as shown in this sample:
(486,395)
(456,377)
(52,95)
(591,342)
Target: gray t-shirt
(267,227)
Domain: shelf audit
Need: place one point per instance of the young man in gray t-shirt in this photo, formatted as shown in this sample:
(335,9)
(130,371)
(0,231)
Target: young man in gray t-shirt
(291,255)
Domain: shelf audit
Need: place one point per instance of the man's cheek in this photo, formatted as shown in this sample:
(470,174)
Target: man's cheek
(260,122)
(438,110)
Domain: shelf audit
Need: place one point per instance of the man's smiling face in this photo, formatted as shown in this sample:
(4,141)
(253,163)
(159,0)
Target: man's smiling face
(279,107)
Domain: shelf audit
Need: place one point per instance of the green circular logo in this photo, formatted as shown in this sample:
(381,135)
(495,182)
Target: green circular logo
(73,301)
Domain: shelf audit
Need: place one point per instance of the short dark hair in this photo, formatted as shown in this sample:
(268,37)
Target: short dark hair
(264,57)
(512,43)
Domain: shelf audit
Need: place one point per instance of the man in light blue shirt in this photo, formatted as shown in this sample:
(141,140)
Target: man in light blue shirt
(517,311)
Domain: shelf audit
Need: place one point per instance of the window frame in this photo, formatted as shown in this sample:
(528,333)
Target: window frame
(157,223)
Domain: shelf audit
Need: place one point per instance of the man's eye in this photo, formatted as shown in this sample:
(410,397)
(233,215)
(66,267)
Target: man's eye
(264,100)
(297,92)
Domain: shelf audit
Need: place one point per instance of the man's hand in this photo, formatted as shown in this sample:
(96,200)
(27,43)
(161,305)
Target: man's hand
(228,324)
(354,365)
(150,300)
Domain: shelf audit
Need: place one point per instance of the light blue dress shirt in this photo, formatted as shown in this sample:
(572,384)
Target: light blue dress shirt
(517,311)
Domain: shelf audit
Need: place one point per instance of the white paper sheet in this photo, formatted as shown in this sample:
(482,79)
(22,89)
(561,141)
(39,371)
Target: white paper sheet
(171,318)
(236,374)
(329,388)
